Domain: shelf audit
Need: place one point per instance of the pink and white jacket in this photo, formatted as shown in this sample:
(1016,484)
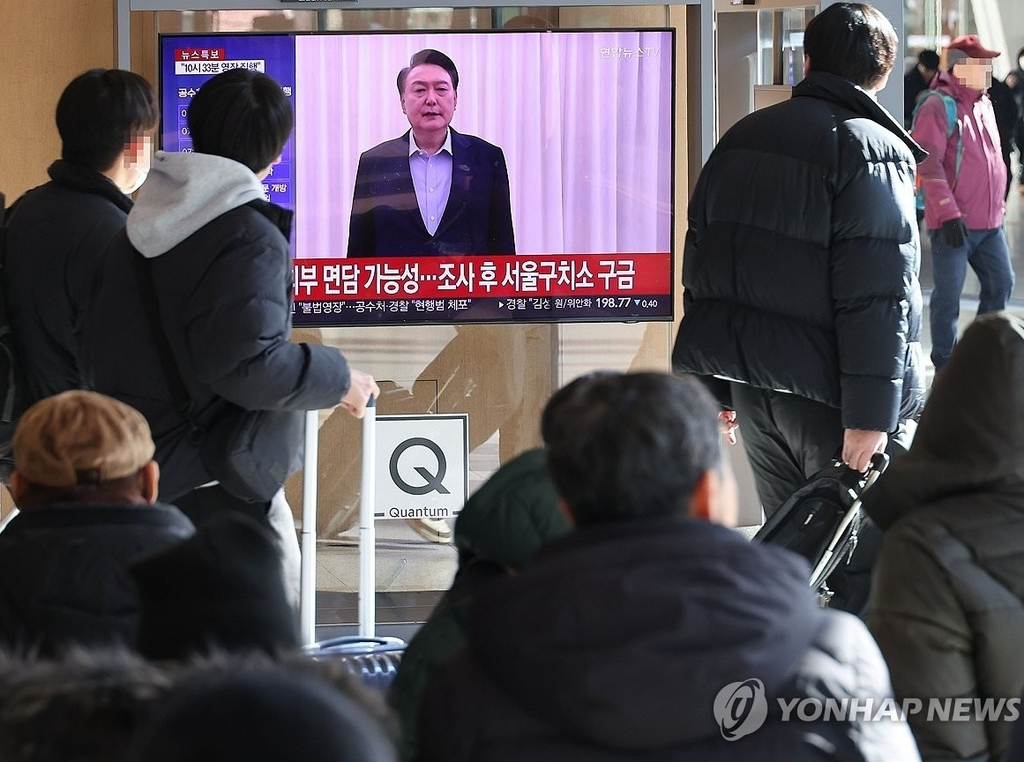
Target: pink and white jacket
(976,193)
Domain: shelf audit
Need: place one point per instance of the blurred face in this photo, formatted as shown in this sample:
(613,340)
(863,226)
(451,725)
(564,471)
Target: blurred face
(137,158)
(428,99)
(975,73)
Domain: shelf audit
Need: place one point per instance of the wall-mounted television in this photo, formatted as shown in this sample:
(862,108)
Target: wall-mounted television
(582,122)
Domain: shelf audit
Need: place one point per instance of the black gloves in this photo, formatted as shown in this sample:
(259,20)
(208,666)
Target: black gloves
(954,232)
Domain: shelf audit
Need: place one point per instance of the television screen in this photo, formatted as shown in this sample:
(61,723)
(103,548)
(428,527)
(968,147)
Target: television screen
(549,201)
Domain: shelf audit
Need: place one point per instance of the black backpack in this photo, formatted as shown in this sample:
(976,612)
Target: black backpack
(11,390)
(823,522)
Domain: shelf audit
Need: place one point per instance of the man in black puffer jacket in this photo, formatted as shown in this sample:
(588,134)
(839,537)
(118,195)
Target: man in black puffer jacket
(802,308)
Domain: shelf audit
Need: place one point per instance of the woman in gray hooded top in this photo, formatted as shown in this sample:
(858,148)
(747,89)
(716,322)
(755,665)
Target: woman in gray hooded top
(947,596)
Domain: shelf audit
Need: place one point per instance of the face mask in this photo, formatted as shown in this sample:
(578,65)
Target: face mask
(140,178)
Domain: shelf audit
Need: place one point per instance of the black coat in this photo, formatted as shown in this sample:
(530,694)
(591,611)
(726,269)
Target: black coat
(222,268)
(615,640)
(386,219)
(947,595)
(802,254)
(64,572)
(56,237)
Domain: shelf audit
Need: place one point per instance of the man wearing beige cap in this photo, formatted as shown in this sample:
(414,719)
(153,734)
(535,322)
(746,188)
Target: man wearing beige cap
(85,484)
(964,182)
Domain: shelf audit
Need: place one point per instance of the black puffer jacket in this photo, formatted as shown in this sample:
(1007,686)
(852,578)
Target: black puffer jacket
(56,236)
(220,260)
(801,257)
(615,640)
(64,572)
(947,595)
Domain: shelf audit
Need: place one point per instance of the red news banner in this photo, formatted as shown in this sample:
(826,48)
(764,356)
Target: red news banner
(475,277)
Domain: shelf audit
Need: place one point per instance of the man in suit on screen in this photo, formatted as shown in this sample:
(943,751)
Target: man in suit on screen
(432,191)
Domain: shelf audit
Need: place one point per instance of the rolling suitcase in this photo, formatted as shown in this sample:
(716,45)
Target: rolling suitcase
(823,522)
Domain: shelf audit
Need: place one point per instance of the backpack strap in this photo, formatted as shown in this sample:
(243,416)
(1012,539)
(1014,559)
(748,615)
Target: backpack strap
(952,123)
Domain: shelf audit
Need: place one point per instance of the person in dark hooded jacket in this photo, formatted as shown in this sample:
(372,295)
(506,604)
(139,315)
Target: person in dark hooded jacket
(638,634)
(802,308)
(947,595)
(501,527)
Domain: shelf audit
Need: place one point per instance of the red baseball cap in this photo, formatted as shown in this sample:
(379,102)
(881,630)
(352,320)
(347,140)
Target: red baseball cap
(972,47)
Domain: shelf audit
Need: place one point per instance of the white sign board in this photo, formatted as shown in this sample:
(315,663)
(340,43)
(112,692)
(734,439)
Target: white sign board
(422,466)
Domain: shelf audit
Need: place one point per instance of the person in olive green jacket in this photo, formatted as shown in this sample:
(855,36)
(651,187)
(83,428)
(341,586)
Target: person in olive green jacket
(947,594)
(500,528)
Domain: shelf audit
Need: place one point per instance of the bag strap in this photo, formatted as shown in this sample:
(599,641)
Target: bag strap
(151,306)
(952,123)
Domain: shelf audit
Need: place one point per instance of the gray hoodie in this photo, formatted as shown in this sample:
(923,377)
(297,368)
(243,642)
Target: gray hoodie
(184,192)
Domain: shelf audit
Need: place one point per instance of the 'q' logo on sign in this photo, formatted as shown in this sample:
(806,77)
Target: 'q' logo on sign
(432,482)
(741,708)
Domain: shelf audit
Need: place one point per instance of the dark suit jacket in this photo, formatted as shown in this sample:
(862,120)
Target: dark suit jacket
(386,219)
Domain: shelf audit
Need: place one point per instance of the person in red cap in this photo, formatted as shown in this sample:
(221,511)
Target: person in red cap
(964,181)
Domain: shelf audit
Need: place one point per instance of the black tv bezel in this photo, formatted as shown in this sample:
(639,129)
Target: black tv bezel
(299,321)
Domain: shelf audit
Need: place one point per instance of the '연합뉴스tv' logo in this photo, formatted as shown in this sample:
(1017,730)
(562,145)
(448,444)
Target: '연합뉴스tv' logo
(741,708)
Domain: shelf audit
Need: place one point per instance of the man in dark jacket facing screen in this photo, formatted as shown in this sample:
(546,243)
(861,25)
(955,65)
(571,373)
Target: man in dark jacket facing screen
(802,308)
(650,631)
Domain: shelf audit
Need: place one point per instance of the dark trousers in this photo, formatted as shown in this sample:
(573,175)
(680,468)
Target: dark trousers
(789,438)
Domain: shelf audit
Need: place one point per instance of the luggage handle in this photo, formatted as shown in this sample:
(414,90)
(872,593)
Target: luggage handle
(879,462)
(863,479)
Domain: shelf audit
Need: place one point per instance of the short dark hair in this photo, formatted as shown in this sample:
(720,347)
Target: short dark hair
(429,56)
(854,41)
(99,112)
(242,115)
(630,446)
(929,59)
